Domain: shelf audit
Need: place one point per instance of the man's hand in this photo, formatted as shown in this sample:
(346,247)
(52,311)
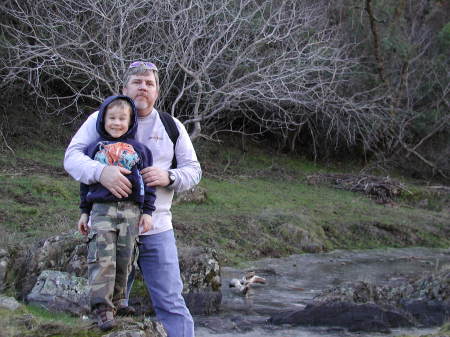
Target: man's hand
(113,179)
(82,224)
(145,223)
(154,176)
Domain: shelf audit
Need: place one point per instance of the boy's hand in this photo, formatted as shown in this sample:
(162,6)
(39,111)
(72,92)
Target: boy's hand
(82,224)
(145,223)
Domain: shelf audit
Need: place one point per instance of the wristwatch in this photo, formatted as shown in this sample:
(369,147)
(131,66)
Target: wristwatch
(172,178)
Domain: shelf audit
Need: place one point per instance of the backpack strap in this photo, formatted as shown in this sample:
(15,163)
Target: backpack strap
(172,131)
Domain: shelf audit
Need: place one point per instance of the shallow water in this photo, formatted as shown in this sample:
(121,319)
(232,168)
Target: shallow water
(292,282)
(311,332)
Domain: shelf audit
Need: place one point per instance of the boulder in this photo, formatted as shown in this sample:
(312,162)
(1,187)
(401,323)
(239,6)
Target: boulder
(9,303)
(422,302)
(368,317)
(225,324)
(199,267)
(433,287)
(127,327)
(4,260)
(200,272)
(427,313)
(66,252)
(60,291)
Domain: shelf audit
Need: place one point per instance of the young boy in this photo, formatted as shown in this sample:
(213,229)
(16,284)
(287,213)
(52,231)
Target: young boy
(115,222)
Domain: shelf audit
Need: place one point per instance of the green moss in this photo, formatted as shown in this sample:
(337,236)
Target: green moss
(30,321)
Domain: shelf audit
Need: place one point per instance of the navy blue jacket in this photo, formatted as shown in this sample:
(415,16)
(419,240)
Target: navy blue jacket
(144,195)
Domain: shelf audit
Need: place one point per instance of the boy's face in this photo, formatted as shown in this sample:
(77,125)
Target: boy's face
(117,121)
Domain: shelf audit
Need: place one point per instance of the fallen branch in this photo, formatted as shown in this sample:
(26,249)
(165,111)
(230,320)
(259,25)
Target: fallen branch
(384,189)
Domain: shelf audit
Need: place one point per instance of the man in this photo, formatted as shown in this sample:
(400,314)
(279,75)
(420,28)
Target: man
(158,259)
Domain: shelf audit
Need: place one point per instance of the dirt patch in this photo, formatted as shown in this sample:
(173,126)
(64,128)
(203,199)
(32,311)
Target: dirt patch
(23,167)
(26,199)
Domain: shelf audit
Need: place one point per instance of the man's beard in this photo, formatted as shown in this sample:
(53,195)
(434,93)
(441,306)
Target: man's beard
(142,103)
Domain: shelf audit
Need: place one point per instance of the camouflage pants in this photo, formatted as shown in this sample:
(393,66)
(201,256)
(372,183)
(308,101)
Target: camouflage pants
(112,238)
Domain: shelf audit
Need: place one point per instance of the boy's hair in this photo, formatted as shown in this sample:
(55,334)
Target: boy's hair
(139,70)
(122,103)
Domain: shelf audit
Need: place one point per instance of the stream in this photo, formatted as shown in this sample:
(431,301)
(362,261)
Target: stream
(292,283)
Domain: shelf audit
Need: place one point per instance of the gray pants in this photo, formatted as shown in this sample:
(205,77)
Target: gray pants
(112,238)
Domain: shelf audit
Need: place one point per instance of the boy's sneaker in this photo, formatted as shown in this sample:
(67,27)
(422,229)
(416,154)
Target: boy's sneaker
(126,311)
(105,318)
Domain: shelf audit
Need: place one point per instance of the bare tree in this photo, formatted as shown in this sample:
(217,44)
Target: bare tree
(282,67)
(276,65)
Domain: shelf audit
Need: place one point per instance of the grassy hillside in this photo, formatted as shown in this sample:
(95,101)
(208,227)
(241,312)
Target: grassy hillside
(258,204)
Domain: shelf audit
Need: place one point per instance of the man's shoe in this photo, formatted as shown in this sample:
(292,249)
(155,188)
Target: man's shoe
(105,318)
(126,311)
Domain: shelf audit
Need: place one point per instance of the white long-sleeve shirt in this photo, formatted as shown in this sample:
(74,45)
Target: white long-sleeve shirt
(150,132)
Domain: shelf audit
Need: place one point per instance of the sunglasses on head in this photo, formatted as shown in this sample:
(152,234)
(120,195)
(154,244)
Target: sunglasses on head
(148,65)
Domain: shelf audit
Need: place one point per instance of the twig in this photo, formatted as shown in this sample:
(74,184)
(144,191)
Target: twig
(5,141)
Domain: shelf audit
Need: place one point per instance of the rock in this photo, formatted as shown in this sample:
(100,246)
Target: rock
(155,327)
(217,324)
(196,195)
(370,326)
(9,303)
(424,301)
(4,260)
(430,287)
(228,324)
(127,327)
(127,333)
(61,252)
(200,272)
(199,267)
(371,317)
(427,313)
(59,291)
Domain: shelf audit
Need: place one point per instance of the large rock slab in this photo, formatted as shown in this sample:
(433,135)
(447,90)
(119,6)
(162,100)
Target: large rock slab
(200,271)
(60,291)
(432,287)
(427,313)
(364,306)
(356,317)
(66,252)
(4,261)
(426,300)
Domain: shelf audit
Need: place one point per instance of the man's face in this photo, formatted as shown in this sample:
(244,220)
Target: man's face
(142,89)
(117,121)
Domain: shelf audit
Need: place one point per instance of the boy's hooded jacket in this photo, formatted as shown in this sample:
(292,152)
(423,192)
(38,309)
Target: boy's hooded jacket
(123,151)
